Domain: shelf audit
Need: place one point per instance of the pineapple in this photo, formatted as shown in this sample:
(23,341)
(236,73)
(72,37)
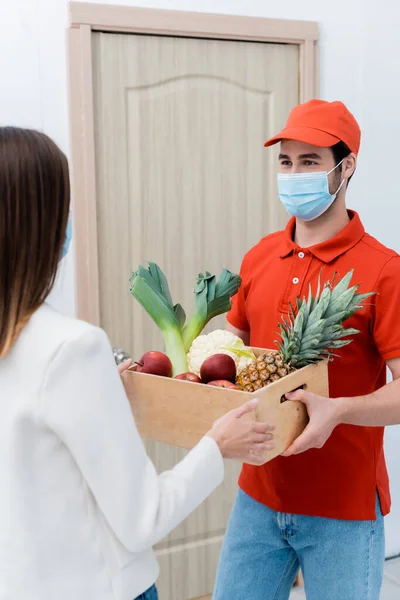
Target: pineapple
(265,369)
(309,333)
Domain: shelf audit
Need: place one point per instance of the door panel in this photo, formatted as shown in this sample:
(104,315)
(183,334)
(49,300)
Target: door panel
(183,180)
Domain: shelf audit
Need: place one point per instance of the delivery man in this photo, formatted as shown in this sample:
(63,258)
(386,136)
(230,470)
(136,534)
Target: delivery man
(320,506)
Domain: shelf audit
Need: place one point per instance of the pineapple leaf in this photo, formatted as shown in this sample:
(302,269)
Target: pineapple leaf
(319,286)
(292,314)
(338,317)
(309,344)
(312,301)
(353,306)
(361,297)
(332,329)
(345,333)
(342,302)
(339,343)
(316,326)
(310,298)
(299,321)
(283,333)
(321,306)
(306,313)
(342,285)
(303,359)
(286,325)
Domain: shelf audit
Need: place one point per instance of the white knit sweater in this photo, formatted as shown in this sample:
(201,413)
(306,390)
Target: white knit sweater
(80,502)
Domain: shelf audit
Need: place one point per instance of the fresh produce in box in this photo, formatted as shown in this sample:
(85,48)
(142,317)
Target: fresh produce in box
(189,377)
(219,341)
(213,297)
(218,365)
(155,363)
(224,384)
(309,333)
(150,288)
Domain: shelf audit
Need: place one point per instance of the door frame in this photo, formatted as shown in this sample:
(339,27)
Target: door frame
(85,18)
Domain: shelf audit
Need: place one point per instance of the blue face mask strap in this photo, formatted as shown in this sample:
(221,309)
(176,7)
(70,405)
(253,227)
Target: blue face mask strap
(342,182)
(338,165)
(67,239)
(339,188)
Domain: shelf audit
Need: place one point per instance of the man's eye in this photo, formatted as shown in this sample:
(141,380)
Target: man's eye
(286,163)
(310,163)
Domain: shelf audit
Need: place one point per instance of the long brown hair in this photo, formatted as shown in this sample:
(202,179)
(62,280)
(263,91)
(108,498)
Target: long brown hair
(34,209)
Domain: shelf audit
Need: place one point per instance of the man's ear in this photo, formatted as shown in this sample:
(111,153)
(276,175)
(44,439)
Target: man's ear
(349,165)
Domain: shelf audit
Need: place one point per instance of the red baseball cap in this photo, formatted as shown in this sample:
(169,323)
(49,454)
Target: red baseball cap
(322,124)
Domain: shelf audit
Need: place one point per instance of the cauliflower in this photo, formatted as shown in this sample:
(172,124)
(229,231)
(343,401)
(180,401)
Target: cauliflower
(219,342)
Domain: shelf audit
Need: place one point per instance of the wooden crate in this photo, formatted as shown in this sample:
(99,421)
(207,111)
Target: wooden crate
(180,413)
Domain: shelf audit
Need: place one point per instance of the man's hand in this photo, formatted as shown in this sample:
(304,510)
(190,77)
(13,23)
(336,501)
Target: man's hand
(324,416)
(124,366)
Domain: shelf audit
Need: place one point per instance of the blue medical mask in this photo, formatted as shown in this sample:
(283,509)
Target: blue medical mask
(67,240)
(306,196)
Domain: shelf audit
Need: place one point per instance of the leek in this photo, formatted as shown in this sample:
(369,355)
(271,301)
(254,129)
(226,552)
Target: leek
(150,288)
(213,298)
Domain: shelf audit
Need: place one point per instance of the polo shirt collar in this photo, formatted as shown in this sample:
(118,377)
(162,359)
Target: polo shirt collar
(331,249)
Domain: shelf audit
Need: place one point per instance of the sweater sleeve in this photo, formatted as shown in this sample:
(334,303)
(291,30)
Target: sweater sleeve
(83,401)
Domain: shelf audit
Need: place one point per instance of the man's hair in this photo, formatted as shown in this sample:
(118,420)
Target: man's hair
(34,208)
(340,151)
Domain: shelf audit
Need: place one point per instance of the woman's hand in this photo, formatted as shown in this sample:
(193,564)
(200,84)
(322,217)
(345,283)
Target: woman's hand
(243,439)
(124,366)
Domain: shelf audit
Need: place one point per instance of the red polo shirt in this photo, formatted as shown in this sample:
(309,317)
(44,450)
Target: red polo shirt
(339,480)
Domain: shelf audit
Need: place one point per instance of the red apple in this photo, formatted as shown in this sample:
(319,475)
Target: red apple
(224,384)
(154,363)
(189,377)
(217,367)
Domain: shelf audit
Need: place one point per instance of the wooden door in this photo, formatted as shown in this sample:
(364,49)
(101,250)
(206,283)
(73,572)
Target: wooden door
(183,180)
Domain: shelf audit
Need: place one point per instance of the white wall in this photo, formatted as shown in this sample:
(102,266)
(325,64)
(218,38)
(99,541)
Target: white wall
(377,196)
(360,46)
(33,65)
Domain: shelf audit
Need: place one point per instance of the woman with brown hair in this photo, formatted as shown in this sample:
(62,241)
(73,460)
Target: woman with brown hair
(80,502)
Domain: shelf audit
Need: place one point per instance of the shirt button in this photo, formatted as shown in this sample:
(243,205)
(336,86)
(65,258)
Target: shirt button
(301,255)
(295,280)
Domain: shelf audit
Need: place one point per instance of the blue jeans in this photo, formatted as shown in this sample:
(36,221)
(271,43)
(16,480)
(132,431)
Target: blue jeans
(263,550)
(151,594)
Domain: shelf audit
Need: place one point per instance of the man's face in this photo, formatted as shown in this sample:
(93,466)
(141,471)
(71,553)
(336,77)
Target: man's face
(297,157)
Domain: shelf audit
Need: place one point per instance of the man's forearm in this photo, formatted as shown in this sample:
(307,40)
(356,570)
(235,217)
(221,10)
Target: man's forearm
(374,410)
